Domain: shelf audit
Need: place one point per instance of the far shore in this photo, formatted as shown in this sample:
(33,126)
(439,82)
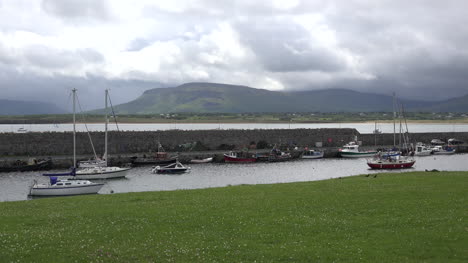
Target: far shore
(444,122)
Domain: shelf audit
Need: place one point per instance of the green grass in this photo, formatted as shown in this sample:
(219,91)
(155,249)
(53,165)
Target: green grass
(409,217)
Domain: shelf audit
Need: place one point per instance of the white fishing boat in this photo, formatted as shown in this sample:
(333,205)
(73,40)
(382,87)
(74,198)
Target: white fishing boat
(312,154)
(102,171)
(351,150)
(58,187)
(422,150)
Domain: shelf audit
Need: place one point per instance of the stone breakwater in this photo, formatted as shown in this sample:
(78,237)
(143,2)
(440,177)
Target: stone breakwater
(123,145)
(61,143)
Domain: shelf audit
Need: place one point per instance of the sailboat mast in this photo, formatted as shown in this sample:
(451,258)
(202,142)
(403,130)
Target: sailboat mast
(394,116)
(106,123)
(74,128)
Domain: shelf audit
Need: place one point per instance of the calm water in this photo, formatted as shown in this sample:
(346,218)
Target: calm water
(361,127)
(15,186)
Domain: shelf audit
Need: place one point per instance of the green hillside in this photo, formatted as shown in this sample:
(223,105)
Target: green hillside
(223,98)
(210,97)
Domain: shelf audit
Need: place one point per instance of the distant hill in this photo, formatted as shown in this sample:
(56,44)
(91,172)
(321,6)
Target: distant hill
(223,98)
(16,107)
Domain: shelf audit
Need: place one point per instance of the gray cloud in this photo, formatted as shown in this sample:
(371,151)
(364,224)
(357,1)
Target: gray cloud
(416,48)
(77,9)
(283,46)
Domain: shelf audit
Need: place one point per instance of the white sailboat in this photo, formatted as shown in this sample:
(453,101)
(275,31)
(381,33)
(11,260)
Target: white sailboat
(102,171)
(57,187)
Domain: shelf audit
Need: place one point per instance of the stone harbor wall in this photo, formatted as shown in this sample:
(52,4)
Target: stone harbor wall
(126,143)
(55,143)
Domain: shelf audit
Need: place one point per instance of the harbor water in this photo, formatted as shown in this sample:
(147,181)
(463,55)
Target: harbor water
(361,127)
(15,186)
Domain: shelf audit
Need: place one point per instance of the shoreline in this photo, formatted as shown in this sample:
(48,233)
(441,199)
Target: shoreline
(256,122)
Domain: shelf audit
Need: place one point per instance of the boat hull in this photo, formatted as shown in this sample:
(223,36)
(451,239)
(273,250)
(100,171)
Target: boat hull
(144,161)
(422,153)
(315,156)
(357,154)
(101,173)
(444,153)
(65,191)
(230,159)
(206,160)
(391,165)
(171,171)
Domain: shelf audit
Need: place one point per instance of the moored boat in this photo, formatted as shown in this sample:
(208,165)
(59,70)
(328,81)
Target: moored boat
(91,173)
(57,187)
(243,157)
(31,165)
(397,162)
(351,150)
(422,150)
(205,160)
(276,155)
(174,168)
(440,150)
(101,170)
(160,157)
(312,154)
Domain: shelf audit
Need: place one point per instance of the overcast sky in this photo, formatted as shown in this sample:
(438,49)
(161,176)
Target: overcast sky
(417,48)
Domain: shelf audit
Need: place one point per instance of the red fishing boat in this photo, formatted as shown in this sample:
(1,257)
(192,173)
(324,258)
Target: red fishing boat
(392,162)
(234,157)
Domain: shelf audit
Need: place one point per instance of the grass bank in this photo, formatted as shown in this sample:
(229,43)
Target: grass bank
(418,216)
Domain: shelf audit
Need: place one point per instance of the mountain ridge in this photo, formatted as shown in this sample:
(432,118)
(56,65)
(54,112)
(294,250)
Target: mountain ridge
(203,97)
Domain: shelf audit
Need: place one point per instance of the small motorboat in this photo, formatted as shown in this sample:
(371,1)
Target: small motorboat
(160,157)
(277,155)
(312,154)
(422,150)
(174,168)
(206,160)
(441,150)
(58,187)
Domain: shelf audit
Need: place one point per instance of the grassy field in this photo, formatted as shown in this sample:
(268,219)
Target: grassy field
(408,217)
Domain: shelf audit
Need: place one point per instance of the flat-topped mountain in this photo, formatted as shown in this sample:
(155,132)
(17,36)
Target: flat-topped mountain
(224,98)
